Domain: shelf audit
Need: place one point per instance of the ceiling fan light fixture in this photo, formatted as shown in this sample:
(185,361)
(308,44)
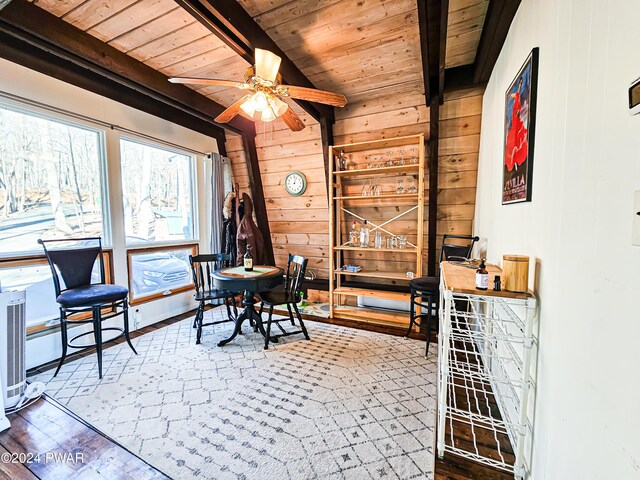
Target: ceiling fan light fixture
(260,101)
(248,106)
(267,64)
(268,115)
(277,105)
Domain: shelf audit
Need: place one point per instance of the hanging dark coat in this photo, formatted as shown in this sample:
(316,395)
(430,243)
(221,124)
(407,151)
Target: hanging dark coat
(249,234)
(229,228)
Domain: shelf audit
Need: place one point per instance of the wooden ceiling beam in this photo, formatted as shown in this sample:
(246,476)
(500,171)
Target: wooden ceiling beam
(257,192)
(499,16)
(236,28)
(48,39)
(24,54)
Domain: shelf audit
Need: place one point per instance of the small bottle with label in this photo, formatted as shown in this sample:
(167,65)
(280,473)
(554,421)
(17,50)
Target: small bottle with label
(482,276)
(248,260)
(354,236)
(364,235)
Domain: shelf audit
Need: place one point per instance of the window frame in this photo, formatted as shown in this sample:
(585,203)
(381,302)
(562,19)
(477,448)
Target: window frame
(46,326)
(154,296)
(103,171)
(193,187)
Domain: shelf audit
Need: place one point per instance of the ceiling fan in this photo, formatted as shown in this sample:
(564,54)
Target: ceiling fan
(266,91)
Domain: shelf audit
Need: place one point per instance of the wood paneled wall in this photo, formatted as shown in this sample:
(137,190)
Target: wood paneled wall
(300,224)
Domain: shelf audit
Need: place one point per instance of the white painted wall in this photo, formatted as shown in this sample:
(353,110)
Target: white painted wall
(32,85)
(577,228)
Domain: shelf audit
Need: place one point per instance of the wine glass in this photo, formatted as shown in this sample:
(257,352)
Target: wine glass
(414,155)
(365,188)
(376,188)
(389,159)
(401,161)
(400,188)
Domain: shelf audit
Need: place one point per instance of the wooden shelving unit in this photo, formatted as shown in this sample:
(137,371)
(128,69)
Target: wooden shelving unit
(345,208)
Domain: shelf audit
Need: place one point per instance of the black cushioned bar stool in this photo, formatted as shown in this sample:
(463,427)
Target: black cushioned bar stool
(425,291)
(74,266)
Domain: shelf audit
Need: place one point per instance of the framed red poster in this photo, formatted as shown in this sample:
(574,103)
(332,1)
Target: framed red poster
(519,131)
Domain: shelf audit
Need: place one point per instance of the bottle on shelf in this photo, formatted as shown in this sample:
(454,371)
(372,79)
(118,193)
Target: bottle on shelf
(354,236)
(364,235)
(248,259)
(342,161)
(482,276)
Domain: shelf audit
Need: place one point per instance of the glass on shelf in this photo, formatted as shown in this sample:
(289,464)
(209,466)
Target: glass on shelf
(412,186)
(393,242)
(376,188)
(400,188)
(401,161)
(414,156)
(370,163)
(402,241)
(410,274)
(377,241)
(389,162)
(365,189)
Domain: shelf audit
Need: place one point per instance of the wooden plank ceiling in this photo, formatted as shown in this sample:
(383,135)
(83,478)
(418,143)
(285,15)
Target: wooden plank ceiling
(355,47)
(368,50)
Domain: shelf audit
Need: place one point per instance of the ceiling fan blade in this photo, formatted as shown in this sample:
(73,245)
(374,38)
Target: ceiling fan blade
(230,112)
(319,96)
(209,81)
(267,64)
(292,120)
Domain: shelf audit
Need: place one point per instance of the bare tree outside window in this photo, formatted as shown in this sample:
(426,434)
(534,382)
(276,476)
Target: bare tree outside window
(158,194)
(50,181)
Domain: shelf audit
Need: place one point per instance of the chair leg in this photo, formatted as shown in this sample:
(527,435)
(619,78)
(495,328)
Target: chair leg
(412,313)
(125,314)
(429,324)
(63,332)
(199,317)
(304,329)
(226,303)
(290,314)
(268,335)
(426,353)
(97,333)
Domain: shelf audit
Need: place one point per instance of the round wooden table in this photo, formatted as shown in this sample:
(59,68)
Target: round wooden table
(235,279)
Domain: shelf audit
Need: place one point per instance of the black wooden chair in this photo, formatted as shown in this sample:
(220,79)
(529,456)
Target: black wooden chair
(74,267)
(202,266)
(425,291)
(289,296)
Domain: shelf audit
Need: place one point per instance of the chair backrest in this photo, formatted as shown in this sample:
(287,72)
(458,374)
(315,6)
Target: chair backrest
(73,264)
(450,249)
(296,269)
(202,266)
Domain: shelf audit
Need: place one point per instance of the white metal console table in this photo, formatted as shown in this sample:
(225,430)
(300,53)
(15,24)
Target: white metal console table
(484,383)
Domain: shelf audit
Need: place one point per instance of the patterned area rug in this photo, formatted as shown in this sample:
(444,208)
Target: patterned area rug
(348,404)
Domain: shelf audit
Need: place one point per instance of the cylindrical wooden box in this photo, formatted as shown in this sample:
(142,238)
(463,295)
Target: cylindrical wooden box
(515,273)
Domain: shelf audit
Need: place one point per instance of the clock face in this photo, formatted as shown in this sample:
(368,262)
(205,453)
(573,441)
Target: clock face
(295,183)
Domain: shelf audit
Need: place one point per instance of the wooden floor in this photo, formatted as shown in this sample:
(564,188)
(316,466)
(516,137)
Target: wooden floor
(47,427)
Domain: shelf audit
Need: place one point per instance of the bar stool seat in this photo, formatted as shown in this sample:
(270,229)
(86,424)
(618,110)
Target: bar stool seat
(425,291)
(92,295)
(425,284)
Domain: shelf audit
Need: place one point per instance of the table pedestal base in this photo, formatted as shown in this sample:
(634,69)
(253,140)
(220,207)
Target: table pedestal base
(250,314)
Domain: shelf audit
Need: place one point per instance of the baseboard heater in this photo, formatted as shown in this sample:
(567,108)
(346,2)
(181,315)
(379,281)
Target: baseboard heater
(383,303)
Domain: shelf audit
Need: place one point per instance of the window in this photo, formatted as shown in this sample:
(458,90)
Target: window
(52,181)
(157,186)
(34,277)
(159,272)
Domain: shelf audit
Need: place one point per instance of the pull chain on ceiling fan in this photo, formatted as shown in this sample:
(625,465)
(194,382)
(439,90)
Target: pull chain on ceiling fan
(265,84)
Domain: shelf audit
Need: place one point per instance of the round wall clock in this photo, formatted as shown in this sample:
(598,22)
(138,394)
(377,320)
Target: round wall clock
(295,183)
